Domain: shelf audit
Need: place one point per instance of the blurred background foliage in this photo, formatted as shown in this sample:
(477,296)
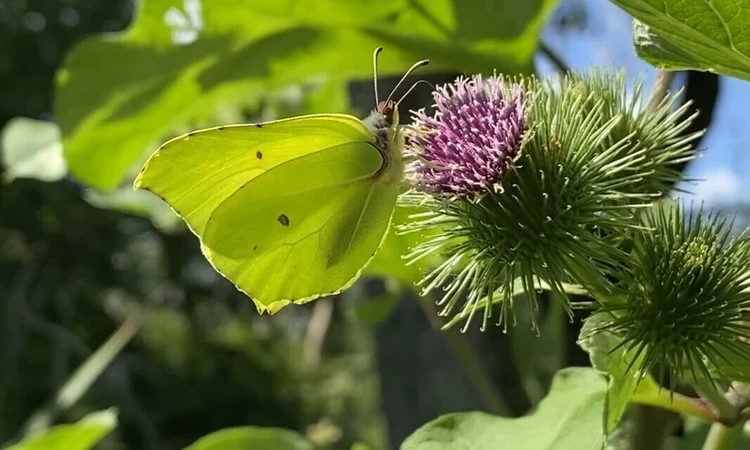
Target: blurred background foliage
(80,252)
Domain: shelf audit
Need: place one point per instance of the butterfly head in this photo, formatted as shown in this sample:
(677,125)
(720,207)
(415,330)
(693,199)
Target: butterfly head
(389,111)
(382,119)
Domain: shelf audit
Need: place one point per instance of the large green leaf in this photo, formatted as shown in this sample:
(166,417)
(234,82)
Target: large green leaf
(693,34)
(569,418)
(81,435)
(623,384)
(245,438)
(118,96)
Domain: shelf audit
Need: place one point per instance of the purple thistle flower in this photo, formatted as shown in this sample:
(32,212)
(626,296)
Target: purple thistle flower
(472,138)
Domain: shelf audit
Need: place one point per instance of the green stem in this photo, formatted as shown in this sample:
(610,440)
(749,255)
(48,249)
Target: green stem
(676,402)
(661,88)
(707,390)
(722,437)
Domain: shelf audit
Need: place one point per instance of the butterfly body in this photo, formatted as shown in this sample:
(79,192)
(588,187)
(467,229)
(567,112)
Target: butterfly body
(383,121)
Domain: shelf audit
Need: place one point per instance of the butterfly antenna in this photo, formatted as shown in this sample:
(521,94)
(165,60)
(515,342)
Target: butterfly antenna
(417,64)
(412,88)
(375,72)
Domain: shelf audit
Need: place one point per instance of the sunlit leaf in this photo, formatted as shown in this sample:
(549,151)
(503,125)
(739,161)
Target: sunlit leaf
(693,34)
(244,438)
(32,149)
(569,418)
(119,96)
(81,435)
(139,203)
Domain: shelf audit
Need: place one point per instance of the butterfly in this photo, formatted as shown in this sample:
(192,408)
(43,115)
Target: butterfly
(289,210)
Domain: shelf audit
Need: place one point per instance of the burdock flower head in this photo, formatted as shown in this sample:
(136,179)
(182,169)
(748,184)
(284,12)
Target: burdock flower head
(526,184)
(687,296)
(472,138)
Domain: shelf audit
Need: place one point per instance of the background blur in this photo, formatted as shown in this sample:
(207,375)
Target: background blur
(82,252)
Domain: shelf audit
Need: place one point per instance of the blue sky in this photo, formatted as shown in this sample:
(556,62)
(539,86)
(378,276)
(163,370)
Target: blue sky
(606,41)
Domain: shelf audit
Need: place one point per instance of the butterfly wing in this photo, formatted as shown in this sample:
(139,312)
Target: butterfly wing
(288,211)
(195,172)
(305,229)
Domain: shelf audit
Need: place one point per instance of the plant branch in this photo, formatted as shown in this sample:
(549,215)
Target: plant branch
(727,412)
(85,375)
(678,403)
(722,437)
(317,328)
(661,88)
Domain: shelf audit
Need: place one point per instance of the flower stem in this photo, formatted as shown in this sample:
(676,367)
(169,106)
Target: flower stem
(722,437)
(707,390)
(676,402)
(661,89)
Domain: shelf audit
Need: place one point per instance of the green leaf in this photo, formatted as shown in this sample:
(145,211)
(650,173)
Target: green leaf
(658,51)
(81,435)
(568,418)
(693,34)
(243,438)
(622,385)
(118,96)
(32,149)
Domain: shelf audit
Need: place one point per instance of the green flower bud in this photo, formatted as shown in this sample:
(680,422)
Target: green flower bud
(554,210)
(687,296)
(657,129)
